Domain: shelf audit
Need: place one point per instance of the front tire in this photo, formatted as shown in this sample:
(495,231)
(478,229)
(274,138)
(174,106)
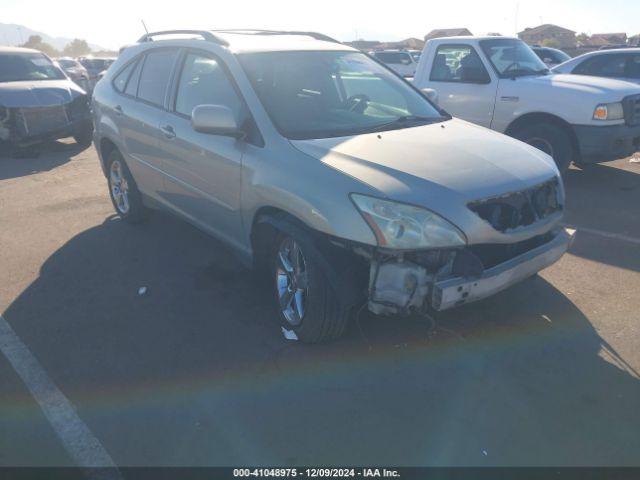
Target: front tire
(124,193)
(305,301)
(550,139)
(84,136)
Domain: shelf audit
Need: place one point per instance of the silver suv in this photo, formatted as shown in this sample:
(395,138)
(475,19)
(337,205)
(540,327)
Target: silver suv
(324,168)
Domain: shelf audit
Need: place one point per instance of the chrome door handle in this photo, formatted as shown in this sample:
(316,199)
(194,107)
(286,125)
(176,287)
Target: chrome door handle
(168,132)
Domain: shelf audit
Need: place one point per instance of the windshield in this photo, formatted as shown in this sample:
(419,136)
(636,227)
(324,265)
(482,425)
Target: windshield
(95,63)
(512,58)
(333,94)
(416,56)
(16,67)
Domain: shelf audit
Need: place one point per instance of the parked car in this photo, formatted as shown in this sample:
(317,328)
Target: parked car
(401,61)
(623,64)
(551,56)
(501,83)
(38,102)
(75,71)
(319,164)
(96,66)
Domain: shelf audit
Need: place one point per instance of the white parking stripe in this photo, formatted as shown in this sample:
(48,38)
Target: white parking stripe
(79,442)
(600,233)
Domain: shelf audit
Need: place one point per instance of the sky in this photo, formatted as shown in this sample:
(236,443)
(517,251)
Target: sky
(114,23)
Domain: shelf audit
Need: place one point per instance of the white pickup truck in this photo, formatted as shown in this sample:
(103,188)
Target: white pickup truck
(500,83)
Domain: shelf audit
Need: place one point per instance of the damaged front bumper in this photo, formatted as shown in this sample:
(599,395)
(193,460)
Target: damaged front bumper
(403,285)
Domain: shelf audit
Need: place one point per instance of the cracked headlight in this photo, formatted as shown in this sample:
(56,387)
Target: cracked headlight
(609,111)
(402,226)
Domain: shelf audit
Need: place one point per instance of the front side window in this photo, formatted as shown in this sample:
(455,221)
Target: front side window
(155,75)
(203,81)
(512,58)
(458,63)
(332,94)
(17,67)
(604,66)
(633,67)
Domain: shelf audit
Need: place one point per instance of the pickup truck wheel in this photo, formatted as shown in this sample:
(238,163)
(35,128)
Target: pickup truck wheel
(551,140)
(125,196)
(305,301)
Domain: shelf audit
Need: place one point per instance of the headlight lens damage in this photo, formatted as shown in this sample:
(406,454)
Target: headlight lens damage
(401,226)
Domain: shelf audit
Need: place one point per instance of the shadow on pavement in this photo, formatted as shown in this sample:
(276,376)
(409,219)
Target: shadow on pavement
(33,160)
(195,372)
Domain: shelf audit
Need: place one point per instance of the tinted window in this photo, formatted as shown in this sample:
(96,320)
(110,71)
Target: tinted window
(15,67)
(394,58)
(603,66)
(203,81)
(120,81)
(132,84)
(633,67)
(458,63)
(155,75)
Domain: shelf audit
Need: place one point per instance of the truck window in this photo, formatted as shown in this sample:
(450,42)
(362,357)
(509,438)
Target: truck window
(458,63)
(394,58)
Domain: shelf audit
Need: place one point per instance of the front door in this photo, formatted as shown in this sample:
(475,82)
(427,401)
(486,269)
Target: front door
(465,88)
(203,171)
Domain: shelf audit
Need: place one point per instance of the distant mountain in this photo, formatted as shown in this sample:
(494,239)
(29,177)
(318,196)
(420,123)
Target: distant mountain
(12,34)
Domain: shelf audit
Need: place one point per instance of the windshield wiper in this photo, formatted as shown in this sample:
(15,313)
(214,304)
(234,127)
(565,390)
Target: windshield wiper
(404,121)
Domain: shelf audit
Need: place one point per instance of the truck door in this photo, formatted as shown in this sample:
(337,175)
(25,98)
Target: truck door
(465,88)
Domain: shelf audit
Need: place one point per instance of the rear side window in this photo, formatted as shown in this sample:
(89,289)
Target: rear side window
(155,75)
(204,82)
(120,82)
(633,67)
(459,64)
(132,84)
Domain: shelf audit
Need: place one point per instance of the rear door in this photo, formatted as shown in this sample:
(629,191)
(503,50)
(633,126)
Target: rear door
(139,113)
(203,171)
(464,86)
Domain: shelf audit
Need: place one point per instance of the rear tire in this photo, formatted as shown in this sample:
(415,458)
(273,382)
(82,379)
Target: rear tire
(305,301)
(550,139)
(124,193)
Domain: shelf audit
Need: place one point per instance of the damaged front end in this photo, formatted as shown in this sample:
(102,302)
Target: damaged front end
(405,281)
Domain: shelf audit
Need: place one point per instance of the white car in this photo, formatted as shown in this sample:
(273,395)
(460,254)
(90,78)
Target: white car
(501,83)
(623,64)
(403,62)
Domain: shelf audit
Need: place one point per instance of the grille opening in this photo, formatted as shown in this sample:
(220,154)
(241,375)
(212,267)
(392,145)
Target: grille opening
(520,209)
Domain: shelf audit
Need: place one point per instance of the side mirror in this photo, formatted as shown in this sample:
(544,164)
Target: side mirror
(431,94)
(215,120)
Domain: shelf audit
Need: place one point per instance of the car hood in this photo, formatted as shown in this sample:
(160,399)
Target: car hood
(442,166)
(583,83)
(38,93)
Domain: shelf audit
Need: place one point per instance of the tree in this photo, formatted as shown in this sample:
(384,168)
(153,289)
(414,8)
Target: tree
(551,43)
(583,39)
(36,42)
(76,48)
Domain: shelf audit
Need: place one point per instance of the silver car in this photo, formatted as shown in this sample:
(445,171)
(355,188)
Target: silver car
(325,170)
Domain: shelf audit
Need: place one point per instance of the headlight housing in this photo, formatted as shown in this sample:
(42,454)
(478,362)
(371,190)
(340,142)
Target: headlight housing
(609,111)
(401,226)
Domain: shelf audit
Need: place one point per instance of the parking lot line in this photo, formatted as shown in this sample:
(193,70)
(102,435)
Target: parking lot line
(600,233)
(83,447)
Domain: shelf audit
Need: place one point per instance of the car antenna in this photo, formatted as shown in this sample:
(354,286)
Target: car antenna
(145,26)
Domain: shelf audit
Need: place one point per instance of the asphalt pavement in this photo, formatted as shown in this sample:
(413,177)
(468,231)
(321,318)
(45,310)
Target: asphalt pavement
(195,372)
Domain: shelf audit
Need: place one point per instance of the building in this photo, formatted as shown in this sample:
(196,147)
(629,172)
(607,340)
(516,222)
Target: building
(602,39)
(363,44)
(553,35)
(634,41)
(447,32)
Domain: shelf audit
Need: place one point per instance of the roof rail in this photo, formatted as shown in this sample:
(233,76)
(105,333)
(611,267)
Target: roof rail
(316,35)
(205,34)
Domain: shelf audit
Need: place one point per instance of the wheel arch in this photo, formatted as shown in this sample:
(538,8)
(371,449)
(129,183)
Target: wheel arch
(533,118)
